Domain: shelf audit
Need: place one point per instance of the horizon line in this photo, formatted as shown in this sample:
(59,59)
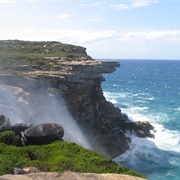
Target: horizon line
(136,59)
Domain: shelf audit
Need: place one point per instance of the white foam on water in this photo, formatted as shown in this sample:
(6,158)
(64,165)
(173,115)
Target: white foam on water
(153,156)
(167,139)
(110,95)
(164,139)
(150,98)
(150,154)
(138,147)
(113,101)
(135,113)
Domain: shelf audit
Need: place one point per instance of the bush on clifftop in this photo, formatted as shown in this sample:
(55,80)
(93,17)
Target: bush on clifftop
(15,53)
(9,138)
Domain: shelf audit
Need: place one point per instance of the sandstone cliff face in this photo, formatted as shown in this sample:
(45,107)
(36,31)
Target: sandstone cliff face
(100,120)
(79,84)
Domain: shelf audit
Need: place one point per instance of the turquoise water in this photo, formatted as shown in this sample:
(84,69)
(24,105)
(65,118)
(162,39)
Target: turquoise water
(149,90)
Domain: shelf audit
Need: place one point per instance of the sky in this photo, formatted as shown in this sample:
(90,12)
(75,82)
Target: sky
(109,29)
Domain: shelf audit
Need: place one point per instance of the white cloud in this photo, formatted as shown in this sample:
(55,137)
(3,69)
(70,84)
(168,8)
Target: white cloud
(7,1)
(131,4)
(172,36)
(90,37)
(6,14)
(78,36)
(95,18)
(48,16)
(121,6)
(66,36)
(96,4)
(141,3)
(83,37)
(63,16)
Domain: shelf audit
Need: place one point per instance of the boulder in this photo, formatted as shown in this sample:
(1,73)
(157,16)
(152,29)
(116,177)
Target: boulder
(42,134)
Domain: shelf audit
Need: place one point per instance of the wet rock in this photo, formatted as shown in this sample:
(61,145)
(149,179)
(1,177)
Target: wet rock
(142,129)
(42,134)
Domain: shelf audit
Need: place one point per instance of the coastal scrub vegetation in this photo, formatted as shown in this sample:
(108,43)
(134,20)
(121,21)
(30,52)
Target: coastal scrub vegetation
(55,157)
(16,53)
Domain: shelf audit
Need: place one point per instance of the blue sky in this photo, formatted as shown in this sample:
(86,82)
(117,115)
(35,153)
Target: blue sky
(138,29)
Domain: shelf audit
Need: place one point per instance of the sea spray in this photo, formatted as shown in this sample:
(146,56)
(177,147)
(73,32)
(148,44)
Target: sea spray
(39,105)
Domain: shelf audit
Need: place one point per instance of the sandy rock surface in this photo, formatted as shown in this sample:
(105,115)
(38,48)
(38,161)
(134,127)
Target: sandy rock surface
(69,176)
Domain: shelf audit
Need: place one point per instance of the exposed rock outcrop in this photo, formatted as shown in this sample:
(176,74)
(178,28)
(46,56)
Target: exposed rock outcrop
(141,129)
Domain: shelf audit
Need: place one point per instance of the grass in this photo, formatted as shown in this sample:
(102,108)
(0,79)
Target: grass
(56,157)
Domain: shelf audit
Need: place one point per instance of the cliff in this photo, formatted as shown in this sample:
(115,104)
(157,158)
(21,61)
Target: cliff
(34,73)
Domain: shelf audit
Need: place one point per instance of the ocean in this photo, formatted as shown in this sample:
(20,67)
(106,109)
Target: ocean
(149,90)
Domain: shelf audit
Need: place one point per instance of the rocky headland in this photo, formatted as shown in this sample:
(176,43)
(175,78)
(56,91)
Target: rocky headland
(65,73)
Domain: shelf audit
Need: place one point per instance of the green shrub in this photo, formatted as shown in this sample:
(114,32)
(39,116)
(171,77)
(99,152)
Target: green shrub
(10,138)
(61,163)
(10,157)
(6,166)
(58,157)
